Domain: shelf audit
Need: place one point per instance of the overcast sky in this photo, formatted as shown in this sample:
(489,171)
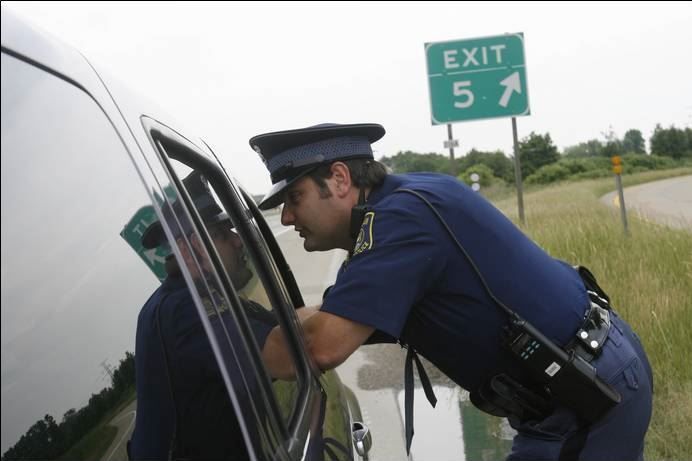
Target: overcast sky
(235,70)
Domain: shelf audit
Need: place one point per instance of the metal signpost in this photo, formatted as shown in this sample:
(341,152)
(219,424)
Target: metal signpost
(477,79)
(616,160)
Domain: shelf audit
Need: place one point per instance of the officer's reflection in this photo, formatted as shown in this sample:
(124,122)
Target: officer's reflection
(183,408)
(230,249)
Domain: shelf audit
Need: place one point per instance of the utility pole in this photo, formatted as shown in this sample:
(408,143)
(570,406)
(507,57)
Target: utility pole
(108,369)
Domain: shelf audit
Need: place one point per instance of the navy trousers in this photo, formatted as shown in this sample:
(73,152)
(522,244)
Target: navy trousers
(620,434)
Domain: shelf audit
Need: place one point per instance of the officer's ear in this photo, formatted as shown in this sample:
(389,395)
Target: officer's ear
(341,177)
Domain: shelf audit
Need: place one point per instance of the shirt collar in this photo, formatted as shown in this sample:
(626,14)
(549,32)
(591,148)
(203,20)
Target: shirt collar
(391,183)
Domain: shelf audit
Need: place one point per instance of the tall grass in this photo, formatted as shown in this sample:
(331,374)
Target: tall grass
(648,276)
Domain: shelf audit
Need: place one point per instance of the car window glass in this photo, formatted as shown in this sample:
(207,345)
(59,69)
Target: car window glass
(74,275)
(244,275)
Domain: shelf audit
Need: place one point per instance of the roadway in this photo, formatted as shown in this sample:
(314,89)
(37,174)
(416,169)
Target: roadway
(667,202)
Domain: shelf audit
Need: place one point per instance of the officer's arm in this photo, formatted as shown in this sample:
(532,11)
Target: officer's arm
(276,356)
(330,340)
(275,353)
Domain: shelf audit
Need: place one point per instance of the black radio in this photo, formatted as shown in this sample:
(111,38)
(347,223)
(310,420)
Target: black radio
(568,378)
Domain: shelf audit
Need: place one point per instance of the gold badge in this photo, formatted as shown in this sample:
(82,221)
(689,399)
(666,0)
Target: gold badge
(364,241)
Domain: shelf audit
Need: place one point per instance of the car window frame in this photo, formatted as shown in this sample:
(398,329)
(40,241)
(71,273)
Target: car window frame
(170,145)
(270,242)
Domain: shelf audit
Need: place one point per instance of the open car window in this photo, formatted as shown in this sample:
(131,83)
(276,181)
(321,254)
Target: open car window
(241,293)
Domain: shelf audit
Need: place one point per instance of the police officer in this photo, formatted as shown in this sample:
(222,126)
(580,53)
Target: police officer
(435,267)
(183,409)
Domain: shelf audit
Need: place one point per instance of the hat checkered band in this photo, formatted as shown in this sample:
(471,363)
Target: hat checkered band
(322,151)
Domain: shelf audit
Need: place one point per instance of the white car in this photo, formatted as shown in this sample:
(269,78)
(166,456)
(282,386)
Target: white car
(87,168)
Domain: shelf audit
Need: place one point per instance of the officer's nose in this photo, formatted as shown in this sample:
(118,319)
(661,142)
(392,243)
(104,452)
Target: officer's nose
(287,217)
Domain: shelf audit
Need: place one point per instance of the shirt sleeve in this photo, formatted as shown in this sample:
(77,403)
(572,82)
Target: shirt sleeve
(396,262)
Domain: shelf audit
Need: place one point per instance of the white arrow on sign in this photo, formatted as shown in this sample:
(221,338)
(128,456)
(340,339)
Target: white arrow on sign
(511,84)
(153,257)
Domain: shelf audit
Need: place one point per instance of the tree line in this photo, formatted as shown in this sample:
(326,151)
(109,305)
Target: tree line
(541,162)
(47,439)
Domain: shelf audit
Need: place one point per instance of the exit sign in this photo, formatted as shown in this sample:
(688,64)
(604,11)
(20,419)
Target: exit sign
(477,78)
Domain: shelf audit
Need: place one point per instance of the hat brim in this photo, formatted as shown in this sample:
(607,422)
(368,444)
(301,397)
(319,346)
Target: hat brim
(275,196)
(154,235)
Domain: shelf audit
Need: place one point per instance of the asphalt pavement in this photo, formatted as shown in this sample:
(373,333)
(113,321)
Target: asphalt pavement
(667,202)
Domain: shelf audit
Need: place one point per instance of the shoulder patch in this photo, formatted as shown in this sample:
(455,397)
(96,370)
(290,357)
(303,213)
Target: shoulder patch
(364,241)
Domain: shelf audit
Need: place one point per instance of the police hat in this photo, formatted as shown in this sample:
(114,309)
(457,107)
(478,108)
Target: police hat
(210,212)
(290,155)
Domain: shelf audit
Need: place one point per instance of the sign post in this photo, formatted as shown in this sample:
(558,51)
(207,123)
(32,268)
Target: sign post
(517,172)
(451,143)
(616,160)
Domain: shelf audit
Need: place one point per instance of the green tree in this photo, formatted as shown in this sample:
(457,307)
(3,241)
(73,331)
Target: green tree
(46,439)
(484,172)
(633,141)
(500,165)
(591,148)
(408,161)
(613,145)
(124,375)
(671,142)
(535,151)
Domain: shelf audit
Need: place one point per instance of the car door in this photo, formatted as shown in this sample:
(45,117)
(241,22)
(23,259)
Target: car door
(71,284)
(310,416)
(75,274)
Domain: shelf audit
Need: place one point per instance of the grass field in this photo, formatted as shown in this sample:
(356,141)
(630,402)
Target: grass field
(648,276)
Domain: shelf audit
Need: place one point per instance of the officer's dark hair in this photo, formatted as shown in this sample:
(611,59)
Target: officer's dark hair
(365,172)
(172,267)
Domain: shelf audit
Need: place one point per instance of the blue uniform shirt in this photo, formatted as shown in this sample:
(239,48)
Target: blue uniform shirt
(207,418)
(409,280)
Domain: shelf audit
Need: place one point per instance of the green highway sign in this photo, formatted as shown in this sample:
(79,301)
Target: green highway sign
(477,78)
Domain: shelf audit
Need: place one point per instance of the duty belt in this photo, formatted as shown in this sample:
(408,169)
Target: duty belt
(508,395)
(505,395)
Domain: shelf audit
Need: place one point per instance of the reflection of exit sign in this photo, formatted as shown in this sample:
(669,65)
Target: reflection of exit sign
(154,258)
(477,78)
(133,231)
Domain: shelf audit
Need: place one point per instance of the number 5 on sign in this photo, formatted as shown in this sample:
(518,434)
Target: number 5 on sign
(460,90)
